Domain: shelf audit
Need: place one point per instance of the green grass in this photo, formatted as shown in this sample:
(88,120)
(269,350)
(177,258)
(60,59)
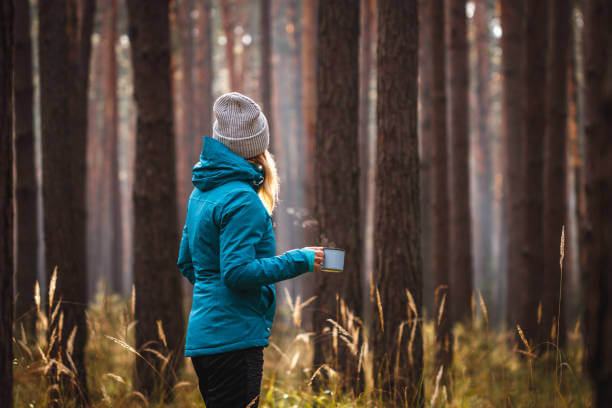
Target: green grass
(487,371)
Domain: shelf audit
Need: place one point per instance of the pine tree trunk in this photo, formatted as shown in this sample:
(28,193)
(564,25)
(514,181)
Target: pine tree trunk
(266,61)
(459,179)
(555,191)
(64,47)
(187,151)
(280,104)
(157,282)
(309,111)
(127,136)
(309,100)
(7,210)
(109,35)
(26,190)
(575,175)
(598,128)
(398,273)
(440,193)
(581,170)
(368,11)
(513,95)
(483,220)
(242,63)
(426,142)
(293,132)
(337,178)
(202,78)
(202,99)
(532,281)
(97,258)
(227,19)
(98,163)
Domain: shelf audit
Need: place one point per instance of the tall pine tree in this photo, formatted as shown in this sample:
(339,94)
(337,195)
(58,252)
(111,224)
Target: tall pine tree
(440,193)
(64,48)
(598,240)
(26,185)
(397,280)
(532,168)
(513,95)
(7,211)
(555,194)
(459,174)
(157,282)
(336,176)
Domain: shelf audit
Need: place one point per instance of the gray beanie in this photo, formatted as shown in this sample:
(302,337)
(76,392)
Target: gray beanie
(240,125)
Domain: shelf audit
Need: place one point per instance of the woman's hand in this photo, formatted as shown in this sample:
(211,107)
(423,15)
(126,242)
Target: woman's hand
(319,256)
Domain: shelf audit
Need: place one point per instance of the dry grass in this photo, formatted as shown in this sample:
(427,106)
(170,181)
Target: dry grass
(487,371)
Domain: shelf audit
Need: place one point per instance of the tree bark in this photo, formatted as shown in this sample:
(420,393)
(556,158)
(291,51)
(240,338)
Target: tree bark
(337,179)
(295,136)
(575,173)
(184,110)
(534,119)
(513,95)
(368,9)
(309,96)
(280,117)
(459,179)
(127,136)
(202,78)
(440,194)
(366,181)
(97,195)
(398,273)
(158,289)
(483,220)
(309,114)
(26,186)
(7,210)
(555,191)
(284,139)
(598,128)
(228,23)
(64,47)
(266,62)
(109,89)
(426,144)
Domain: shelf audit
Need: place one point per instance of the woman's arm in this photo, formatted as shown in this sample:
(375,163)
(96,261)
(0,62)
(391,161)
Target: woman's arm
(185,263)
(243,223)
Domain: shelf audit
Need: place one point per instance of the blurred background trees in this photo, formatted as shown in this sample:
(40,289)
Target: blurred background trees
(506,142)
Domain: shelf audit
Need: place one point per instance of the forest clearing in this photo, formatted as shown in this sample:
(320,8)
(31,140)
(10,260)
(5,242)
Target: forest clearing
(305,203)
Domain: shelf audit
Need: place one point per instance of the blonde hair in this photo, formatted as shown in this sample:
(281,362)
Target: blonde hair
(268,192)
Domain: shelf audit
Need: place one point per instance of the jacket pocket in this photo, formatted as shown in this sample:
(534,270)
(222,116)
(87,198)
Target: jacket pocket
(267,299)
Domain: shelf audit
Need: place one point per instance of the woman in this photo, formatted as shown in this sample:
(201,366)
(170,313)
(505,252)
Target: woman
(227,253)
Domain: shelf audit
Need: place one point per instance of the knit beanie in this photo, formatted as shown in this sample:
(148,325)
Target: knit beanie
(240,125)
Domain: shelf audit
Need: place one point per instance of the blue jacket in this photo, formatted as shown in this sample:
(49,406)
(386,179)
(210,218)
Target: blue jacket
(227,253)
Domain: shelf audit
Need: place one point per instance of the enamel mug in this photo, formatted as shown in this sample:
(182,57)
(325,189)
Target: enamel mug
(333,260)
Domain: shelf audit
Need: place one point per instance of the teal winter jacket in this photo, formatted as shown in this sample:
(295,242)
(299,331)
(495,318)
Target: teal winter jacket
(228,253)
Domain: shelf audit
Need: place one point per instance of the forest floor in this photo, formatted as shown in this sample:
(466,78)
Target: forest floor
(487,371)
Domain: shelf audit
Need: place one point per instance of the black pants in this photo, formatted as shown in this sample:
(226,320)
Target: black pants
(230,380)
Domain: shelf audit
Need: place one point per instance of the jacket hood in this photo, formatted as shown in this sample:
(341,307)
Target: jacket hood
(219,165)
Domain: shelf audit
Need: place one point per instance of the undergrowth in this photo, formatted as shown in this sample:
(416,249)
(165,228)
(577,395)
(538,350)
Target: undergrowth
(487,370)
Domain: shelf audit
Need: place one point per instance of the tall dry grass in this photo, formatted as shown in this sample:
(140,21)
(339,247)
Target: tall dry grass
(487,370)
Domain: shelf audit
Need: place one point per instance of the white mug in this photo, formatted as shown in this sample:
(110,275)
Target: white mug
(333,260)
